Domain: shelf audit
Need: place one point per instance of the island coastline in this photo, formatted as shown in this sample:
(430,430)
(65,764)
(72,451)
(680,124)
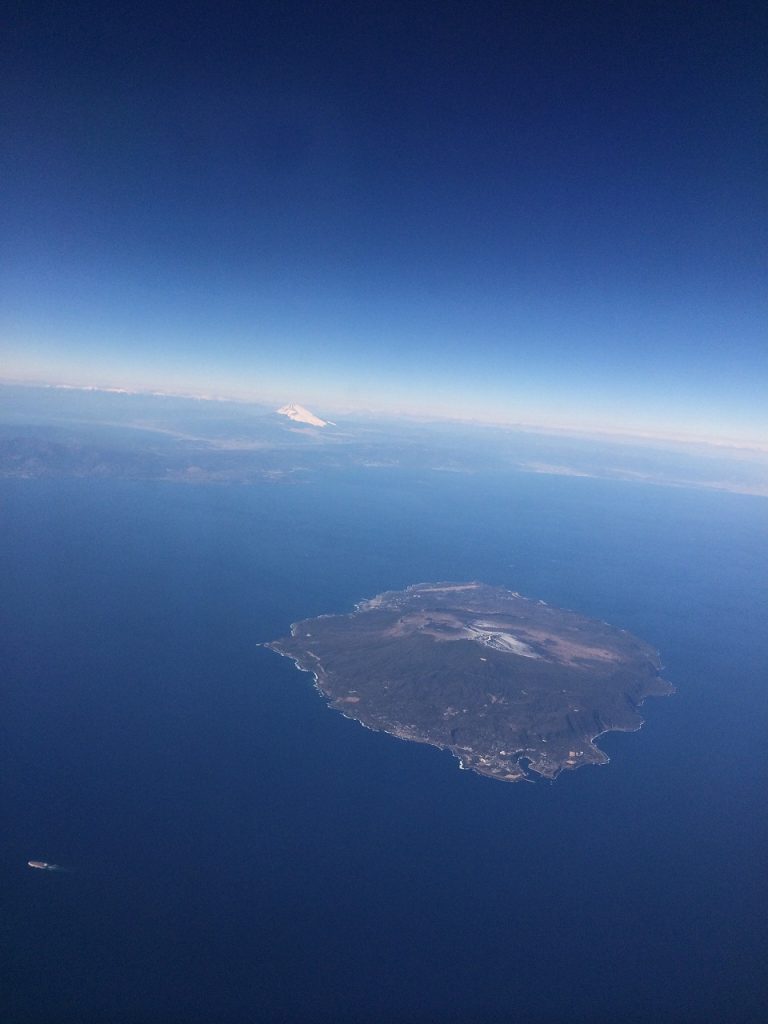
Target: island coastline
(548,683)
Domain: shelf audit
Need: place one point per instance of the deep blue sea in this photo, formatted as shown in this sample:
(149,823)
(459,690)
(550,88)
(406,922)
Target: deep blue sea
(237,852)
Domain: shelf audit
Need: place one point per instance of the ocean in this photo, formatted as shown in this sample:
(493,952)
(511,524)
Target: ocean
(236,852)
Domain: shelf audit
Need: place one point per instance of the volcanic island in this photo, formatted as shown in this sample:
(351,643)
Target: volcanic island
(515,688)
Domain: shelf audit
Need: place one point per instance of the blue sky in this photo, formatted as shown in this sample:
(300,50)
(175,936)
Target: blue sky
(535,212)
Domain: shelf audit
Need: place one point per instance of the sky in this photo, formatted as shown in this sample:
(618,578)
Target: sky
(529,212)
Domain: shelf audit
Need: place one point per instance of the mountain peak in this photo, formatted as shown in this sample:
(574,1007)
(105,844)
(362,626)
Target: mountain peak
(299,414)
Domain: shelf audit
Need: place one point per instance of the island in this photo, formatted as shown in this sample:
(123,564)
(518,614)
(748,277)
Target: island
(514,688)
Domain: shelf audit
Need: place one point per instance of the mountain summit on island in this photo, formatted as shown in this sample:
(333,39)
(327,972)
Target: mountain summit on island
(299,414)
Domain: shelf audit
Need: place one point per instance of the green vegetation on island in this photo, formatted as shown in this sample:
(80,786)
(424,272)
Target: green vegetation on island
(514,688)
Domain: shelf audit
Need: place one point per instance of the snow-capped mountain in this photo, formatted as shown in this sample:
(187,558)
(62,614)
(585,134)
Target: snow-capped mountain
(299,414)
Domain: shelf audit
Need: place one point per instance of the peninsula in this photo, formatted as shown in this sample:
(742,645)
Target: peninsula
(514,688)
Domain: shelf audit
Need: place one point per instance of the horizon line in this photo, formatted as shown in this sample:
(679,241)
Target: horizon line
(598,432)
